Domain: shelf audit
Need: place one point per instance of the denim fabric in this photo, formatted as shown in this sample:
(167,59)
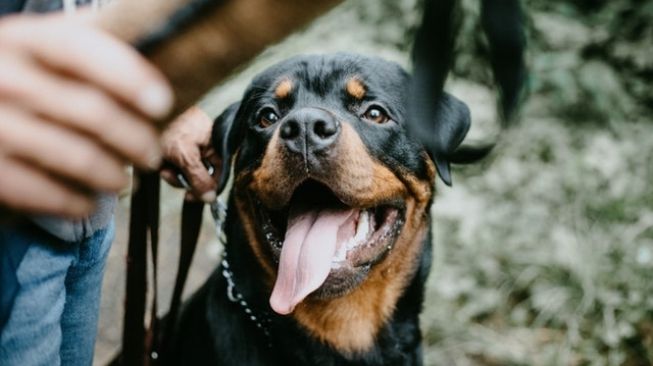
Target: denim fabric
(54,317)
(10,258)
(77,230)
(10,6)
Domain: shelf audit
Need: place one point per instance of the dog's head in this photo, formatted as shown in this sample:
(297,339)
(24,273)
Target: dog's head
(332,192)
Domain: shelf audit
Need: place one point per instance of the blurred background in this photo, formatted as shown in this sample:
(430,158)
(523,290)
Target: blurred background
(544,252)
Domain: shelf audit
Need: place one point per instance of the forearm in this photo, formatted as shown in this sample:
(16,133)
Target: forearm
(209,49)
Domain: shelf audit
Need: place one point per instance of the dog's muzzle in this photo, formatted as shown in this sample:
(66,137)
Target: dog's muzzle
(309,133)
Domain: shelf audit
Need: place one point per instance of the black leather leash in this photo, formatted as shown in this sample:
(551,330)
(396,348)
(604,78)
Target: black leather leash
(433,55)
(141,345)
(144,222)
(191,222)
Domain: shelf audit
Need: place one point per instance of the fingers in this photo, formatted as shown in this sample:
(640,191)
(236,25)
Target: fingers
(75,104)
(60,152)
(81,107)
(25,189)
(170,176)
(203,185)
(186,144)
(189,160)
(90,54)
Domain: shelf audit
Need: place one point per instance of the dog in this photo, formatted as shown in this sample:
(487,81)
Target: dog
(328,227)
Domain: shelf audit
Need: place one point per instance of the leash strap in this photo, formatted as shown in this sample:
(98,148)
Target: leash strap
(144,219)
(141,346)
(151,338)
(191,223)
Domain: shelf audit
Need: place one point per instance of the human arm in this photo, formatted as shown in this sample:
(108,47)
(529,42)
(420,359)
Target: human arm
(76,105)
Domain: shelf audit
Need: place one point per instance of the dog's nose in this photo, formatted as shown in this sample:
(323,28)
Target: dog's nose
(309,130)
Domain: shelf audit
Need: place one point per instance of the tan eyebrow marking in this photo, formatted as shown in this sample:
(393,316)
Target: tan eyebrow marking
(356,88)
(283,89)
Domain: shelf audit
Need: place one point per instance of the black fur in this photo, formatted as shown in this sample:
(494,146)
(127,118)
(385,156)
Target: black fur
(212,330)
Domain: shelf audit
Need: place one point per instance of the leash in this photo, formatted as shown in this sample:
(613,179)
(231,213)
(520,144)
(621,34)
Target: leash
(191,222)
(143,346)
(433,55)
(144,221)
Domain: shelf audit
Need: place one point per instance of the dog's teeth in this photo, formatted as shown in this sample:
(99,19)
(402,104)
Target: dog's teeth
(363,227)
(364,230)
(372,225)
(341,254)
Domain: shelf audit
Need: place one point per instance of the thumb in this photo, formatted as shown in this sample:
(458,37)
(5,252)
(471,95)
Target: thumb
(202,184)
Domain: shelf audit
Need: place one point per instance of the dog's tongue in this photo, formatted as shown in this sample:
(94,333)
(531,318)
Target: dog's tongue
(310,244)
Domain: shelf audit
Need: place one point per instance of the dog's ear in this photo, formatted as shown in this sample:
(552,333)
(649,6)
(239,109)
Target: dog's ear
(452,122)
(224,138)
(441,127)
(443,133)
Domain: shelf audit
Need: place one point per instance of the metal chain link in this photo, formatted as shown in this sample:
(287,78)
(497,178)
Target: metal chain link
(219,213)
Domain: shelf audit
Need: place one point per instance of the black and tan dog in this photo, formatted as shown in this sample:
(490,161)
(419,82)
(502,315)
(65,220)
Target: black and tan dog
(328,227)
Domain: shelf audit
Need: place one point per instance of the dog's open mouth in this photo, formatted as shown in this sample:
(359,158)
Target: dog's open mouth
(323,247)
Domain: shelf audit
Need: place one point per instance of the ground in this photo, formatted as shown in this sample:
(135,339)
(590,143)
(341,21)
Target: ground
(544,253)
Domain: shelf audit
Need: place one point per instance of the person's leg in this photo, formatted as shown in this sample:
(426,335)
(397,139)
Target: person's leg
(10,258)
(32,334)
(83,285)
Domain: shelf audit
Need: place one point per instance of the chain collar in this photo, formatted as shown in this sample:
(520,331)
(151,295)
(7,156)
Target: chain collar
(219,213)
(262,320)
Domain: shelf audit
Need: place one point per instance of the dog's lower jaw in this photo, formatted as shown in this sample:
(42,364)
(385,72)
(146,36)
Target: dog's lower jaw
(350,324)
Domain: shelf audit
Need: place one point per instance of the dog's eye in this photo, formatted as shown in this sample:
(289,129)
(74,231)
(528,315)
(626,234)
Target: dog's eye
(376,114)
(267,117)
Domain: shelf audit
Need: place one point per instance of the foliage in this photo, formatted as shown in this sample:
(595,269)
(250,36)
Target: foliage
(545,256)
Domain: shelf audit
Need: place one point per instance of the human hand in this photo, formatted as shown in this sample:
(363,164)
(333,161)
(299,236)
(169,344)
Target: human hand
(186,145)
(75,106)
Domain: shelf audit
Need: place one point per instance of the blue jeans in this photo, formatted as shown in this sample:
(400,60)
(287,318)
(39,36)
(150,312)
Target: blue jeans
(54,317)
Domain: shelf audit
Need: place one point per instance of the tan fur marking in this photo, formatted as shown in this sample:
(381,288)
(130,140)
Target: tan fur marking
(283,89)
(246,215)
(264,179)
(356,88)
(274,178)
(358,178)
(350,323)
